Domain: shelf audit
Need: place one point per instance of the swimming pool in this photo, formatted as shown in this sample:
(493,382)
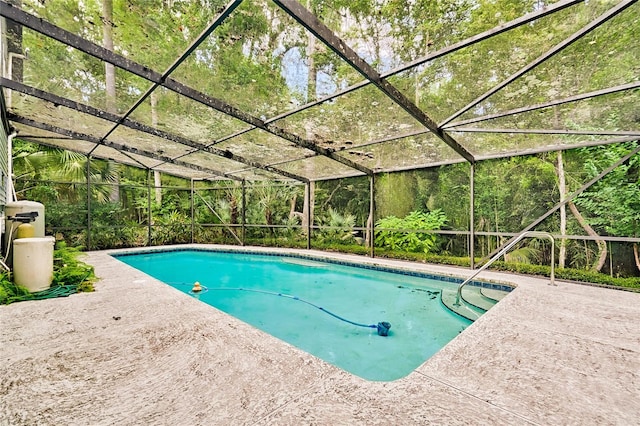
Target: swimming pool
(313,305)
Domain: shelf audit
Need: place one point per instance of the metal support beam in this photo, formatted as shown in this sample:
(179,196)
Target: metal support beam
(117,146)
(472,208)
(569,197)
(372,215)
(99,52)
(192,212)
(324,34)
(548,131)
(88,239)
(523,20)
(244,213)
(549,104)
(149,214)
(192,47)
(59,100)
(550,53)
(307,195)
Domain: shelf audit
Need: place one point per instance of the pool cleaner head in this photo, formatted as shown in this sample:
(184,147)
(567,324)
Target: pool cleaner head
(383,328)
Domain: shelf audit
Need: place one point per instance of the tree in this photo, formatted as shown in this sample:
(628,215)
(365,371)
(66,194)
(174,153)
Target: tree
(613,204)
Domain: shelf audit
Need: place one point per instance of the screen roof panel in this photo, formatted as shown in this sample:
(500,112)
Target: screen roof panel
(179,115)
(58,115)
(416,150)
(478,68)
(53,139)
(151,32)
(605,61)
(615,111)
(186,172)
(146,142)
(391,34)
(259,60)
(206,159)
(355,118)
(319,168)
(70,73)
(235,76)
(262,147)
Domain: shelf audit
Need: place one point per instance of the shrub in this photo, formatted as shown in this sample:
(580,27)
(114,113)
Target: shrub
(409,241)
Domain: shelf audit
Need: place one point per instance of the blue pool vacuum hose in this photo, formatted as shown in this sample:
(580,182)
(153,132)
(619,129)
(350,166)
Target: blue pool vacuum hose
(382,327)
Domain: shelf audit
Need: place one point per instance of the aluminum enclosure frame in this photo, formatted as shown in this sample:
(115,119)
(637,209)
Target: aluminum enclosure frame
(312,147)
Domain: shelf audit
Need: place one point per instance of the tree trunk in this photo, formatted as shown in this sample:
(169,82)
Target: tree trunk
(110,70)
(308,206)
(636,256)
(110,80)
(369,237)
(313,71)
(157,178)
(311,95)
(602,245)
(157,184)
(562,188)
(292,207)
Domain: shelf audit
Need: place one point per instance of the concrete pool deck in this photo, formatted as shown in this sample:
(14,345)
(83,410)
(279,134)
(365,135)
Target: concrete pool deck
(138,352)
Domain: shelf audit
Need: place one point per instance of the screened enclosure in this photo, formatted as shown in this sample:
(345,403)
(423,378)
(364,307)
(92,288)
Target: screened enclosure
(370,126)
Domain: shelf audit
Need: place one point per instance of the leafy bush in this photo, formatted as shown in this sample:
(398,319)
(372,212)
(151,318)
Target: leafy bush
(172,228)
(568,274)
(339,227)
(11,292)
(403,238)
(69,271)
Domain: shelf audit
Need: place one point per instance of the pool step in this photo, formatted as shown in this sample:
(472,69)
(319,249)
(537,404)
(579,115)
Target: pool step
(475,301)
(470,312)
(475,296)
(493,294)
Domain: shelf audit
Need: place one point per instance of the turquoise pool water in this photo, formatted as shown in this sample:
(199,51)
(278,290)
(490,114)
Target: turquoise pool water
(247,287)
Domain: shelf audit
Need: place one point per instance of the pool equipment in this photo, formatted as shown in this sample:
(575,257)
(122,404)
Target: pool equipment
(18,213)
(33,262)
(25,229)
(32,255)
(382,327)
(17,209)
(197,287)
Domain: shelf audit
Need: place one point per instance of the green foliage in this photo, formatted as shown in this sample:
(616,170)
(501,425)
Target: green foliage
(568,274)
(410,241)
(395,194)
(69,271)
(340,227)
(349,195)
(523,255)
(172,228)
(11,292)
(613,204)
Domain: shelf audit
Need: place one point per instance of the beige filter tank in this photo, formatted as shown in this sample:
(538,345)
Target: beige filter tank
(33,262)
